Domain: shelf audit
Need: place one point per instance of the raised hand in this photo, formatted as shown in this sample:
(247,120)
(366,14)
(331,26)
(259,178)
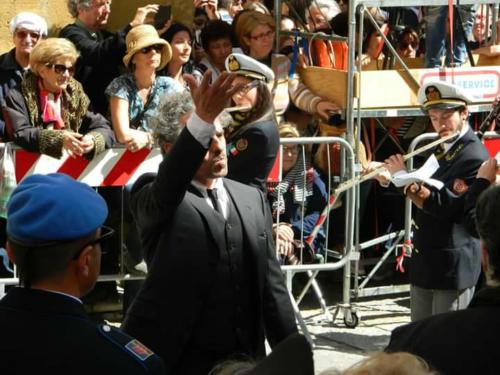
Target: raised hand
(211,99)
(142,13)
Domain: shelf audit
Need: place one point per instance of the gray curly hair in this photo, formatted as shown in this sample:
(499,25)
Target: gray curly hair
(73,6)
(166,125)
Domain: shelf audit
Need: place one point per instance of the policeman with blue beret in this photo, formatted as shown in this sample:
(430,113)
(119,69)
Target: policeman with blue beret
(55,231)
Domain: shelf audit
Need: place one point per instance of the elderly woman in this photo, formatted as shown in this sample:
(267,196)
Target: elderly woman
(255,34)
(253,144)
(48,112)
(134,97)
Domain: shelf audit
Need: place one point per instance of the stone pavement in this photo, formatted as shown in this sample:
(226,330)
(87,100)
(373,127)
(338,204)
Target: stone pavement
(340,347)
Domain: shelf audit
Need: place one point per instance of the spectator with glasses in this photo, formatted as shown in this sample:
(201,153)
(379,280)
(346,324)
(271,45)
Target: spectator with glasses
(297,201)
(48,112)
(134,96)
(408,43)
(55,237)
(27,30)
(255,34)
(101,52)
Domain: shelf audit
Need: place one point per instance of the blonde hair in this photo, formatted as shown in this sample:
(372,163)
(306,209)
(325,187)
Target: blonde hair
(257,7)
(400,363)
(288,130)
(249,20)
(49,50)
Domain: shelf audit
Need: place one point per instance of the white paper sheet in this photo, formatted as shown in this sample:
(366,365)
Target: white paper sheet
(423,174)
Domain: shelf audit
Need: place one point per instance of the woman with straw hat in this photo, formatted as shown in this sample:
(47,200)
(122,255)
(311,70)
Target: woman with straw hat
(133,97)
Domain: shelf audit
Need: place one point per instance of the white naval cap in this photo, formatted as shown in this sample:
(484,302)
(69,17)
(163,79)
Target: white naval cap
(29,21)
(246,66)
(442,95)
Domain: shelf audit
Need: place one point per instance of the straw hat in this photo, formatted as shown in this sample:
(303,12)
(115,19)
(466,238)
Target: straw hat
(144,36)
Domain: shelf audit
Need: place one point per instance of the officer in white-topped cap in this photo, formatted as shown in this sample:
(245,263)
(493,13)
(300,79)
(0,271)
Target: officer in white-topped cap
(253,143)
(445,263)
(27,30)
(55,233)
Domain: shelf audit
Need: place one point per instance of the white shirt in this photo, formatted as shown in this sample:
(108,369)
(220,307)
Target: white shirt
(203,132)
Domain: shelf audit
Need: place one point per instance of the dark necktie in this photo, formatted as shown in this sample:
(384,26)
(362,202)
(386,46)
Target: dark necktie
(212,194)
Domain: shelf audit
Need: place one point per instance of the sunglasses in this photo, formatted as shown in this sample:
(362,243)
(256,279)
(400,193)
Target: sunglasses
(156,47)
(61,69)
(262,36)
(106,234)
(405,45)
(21,34)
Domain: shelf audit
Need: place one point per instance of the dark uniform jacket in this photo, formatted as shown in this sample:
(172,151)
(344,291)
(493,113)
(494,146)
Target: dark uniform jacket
(101,56)
(251,152)
(50,333)
(11,74)
(445,255)
(458,342)
(189,310)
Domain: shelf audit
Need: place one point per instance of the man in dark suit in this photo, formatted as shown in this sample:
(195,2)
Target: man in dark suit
(214,288)
(54,237)
(445,262)
(465,342)
(101,52)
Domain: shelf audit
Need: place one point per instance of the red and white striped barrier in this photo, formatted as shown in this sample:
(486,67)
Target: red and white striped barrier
(113,167)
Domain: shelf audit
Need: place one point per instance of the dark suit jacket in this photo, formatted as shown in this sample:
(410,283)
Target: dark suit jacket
(182,240)
(49,333)
(459,342)
(445,255)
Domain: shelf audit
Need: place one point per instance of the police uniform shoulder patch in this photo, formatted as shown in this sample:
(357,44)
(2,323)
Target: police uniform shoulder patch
(242,144)
(138,349)
(130,345)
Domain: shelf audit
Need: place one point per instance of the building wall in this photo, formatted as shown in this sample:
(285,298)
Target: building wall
(57,15)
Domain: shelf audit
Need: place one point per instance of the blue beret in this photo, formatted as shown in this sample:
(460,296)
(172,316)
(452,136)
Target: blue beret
(53,207)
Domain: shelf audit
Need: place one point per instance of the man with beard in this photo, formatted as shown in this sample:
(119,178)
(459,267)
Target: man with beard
(214,288)
(445,262)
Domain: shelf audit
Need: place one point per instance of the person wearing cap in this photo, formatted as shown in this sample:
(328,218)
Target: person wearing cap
(101,52)
(464,342)
(214,289)
(55,233)
(48,112)
(134,96)
(253,141)
(445,262)
(27,30)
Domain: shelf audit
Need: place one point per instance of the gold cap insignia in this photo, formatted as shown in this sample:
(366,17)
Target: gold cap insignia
(233,64)
(432,93)
(242,144)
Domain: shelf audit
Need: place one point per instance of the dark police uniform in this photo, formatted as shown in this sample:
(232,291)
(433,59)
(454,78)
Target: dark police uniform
(445,255)
(457,342)
(50,333)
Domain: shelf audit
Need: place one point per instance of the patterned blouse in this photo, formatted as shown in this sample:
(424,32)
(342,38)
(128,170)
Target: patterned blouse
(124,87)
